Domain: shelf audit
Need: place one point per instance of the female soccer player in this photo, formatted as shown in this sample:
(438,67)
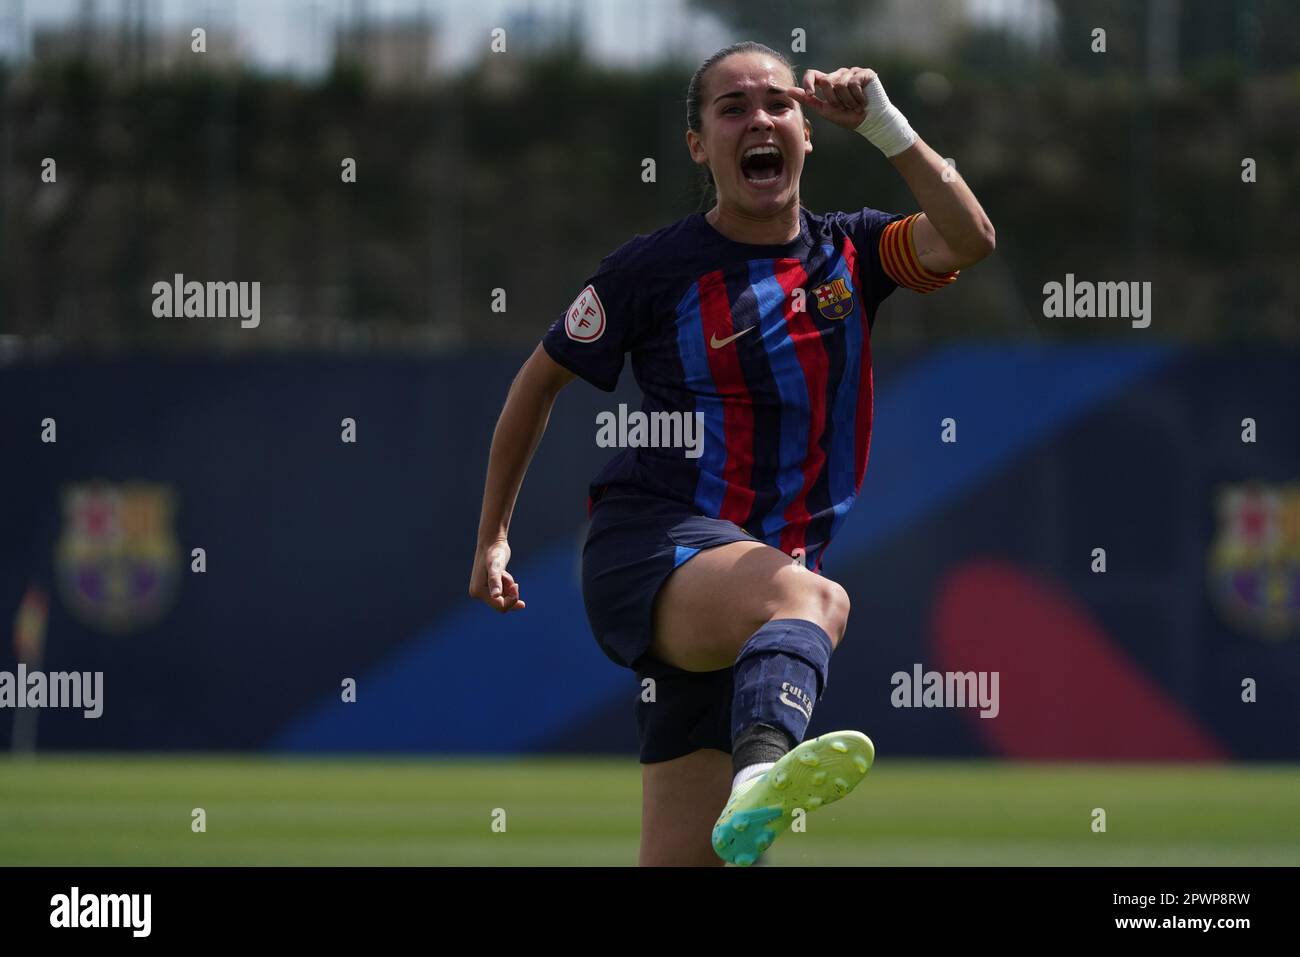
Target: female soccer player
(702,565)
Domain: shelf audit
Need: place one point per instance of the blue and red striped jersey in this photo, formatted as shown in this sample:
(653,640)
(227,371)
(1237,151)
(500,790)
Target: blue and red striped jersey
(767,347)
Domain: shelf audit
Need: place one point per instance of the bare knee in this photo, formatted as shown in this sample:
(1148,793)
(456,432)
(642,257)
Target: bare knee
(816,599)
(712,605)
(837,611)
(833,607)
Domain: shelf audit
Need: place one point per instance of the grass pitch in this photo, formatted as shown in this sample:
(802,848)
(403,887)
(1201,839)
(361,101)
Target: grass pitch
(273,810)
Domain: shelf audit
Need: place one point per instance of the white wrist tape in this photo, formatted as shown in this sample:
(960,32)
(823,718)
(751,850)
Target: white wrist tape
(885,127)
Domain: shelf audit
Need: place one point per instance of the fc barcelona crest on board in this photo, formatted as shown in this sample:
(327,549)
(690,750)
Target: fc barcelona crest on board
(834,299)
(1255,558)
(117,558)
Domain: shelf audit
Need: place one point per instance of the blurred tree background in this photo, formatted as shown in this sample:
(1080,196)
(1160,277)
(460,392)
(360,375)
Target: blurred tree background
(523,170)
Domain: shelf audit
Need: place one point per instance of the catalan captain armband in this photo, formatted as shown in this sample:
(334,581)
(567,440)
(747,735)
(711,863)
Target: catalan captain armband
(898,259)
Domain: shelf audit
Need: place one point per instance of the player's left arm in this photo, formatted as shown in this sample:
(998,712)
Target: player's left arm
(952,231)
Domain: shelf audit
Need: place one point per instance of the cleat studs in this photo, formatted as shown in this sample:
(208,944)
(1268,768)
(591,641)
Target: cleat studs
(840,746)
(779,780)
(814,802)
(819,778)
(860,763)
(744,860)
(739,826)
(809,760)
(841,786)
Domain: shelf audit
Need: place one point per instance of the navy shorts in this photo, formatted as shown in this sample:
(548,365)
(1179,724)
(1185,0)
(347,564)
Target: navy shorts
(634,542)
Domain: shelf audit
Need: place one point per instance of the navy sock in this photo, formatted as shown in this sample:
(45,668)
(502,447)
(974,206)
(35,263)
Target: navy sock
(779,675)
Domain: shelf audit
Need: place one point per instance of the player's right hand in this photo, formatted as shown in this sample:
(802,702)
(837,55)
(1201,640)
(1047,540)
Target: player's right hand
(490,582)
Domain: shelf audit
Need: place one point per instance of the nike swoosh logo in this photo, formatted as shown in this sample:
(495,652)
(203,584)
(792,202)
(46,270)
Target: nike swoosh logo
(717,343)
(798,706)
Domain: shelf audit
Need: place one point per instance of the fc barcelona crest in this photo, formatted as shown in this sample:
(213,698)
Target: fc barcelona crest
(834,299)
(1255,558)
(117,558)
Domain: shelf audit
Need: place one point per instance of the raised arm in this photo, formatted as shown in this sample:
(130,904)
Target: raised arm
(952,232)
(518,432)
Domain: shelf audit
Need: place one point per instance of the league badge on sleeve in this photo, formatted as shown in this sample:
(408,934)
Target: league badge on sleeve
(585,321)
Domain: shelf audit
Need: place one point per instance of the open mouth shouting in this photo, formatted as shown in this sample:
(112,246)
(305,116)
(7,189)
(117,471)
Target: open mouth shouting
(761,166)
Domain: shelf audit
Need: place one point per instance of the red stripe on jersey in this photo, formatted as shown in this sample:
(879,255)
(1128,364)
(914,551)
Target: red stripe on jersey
(810,352)
(862,415)
(730,386)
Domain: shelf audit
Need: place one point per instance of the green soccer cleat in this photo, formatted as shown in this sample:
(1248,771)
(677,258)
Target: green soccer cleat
(813,775)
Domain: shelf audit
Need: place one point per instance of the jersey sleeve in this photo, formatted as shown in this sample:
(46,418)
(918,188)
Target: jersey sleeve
(596,331)
(889,258)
